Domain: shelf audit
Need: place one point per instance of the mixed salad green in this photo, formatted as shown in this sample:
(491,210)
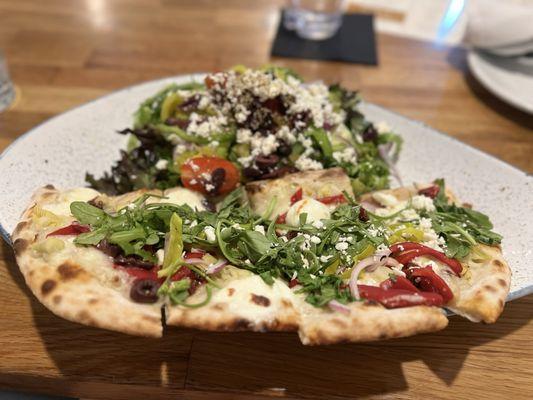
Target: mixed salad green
(265,122)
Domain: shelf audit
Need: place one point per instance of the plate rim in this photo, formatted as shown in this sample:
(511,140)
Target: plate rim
(474,59)
(6,236)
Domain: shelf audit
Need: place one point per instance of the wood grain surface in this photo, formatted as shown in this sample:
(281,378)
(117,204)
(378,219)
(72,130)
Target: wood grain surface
(63,53)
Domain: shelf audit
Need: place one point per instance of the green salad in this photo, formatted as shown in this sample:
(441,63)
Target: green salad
(262,123)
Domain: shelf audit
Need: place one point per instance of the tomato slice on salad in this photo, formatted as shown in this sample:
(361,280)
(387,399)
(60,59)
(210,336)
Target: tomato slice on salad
(209,175)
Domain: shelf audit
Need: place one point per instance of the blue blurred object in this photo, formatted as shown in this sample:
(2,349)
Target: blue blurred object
(454,11)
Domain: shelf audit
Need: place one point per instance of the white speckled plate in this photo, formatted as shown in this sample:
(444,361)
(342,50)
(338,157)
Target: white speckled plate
(62,149)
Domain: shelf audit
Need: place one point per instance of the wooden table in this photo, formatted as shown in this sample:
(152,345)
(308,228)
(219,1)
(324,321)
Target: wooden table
(63,53)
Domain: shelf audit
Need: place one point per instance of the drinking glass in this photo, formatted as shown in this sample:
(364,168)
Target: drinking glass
(314,19)
(7,91)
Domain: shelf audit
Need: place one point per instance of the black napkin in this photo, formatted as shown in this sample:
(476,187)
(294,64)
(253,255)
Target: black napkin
(354,42)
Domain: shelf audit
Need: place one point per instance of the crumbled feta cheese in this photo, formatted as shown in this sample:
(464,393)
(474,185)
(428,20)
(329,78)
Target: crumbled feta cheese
(348,155)
(210,234)
(325,259)
(160,254)
(304,163)
(409,213)
(318,224)
(315,239)
(422,203)
(260,229)
(425,223)
(161,164)
(341,246)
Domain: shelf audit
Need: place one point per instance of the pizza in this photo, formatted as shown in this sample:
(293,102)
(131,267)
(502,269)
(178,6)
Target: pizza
(298,253)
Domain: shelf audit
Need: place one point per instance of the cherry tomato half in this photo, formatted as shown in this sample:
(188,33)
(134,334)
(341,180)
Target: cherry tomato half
(209,175)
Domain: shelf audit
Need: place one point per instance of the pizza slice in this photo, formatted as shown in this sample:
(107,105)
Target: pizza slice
(94,283)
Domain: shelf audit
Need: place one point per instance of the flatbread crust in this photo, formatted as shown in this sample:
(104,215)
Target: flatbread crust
(479,295)
(366,322)
(79,284)
(315,184)
(250,304)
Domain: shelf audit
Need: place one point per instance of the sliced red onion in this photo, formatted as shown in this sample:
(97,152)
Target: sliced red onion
(386,151)
(214,268)
(336,306)
(380,255)
(194,261)
(369,262)
(379,259)
(391,262)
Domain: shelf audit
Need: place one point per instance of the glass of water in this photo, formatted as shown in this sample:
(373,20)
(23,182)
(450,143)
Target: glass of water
(7,91)
(314,19)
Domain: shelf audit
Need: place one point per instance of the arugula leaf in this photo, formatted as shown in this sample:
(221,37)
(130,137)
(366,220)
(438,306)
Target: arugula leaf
(253,244)
(461,227)
(87,214)
(91,238)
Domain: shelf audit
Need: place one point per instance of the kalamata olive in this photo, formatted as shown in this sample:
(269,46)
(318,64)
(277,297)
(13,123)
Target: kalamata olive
(144,291)
(217,180)
(363,215)
(275,105)
(284,149)
(111,250)
(327,126)
(190,104)
(209,205)
(180,123)
(279,172)
(265,162)
(300,120)
(370,134)
(133,261)
(252,173)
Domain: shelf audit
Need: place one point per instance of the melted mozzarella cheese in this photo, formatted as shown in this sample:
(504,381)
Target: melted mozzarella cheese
(181,196)
(62,205)
(314,209)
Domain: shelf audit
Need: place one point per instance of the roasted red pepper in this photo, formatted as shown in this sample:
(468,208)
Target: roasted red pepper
(431,191)
(395,298)
(399,282)
(336,199)
(406,251)
(72,229)
(282,218)
(140,273)
(297,196)
(194,254)
(428,281)
(182,273)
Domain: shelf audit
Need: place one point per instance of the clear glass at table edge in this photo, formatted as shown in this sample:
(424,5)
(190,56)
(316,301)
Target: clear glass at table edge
(7,90)
(314,19)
